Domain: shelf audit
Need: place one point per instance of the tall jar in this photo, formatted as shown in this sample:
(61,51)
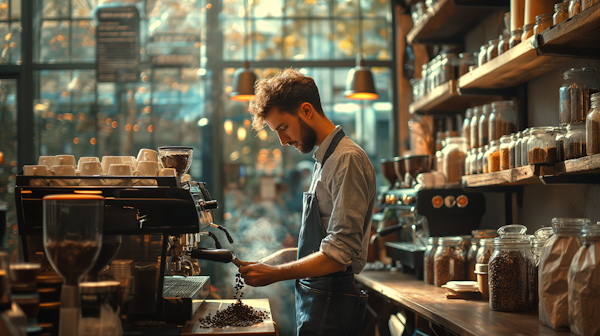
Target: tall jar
(449,261)
(503,44)
(471,261)
(447,67)
(492,49)
(560,132)
(574,7)
(509,270)
(479,160)
(455,153)
(585,4)
(592,126)
(542,22)
(561,12)
(574,95)
(527,32)
(466,127)
(485,250)
(502,120)
(517,145)
(424,79)
(524,150)
(493,154)
(482,56)
(484,126)
(439,140)
(515,38)
(505,152)
(468,160)
(485,164)
(574,143)
(466,60)
(428,259)
(541,146)
(474,127)
(439,161)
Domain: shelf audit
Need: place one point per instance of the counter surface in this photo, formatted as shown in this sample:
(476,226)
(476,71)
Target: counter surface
(464,317)
(212,306)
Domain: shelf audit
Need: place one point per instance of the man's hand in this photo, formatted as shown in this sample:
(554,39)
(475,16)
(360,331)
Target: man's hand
(258,274)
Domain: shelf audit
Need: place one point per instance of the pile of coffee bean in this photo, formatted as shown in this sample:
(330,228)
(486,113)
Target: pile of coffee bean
(178,161)
(236,314)
(509,274)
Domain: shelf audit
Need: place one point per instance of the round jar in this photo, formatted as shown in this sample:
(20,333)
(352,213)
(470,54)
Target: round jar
(574,143)
(560,132)
(492,49)
(592,125)
(509,270)
(503,44)
(505,141)
(484,250)
(466,127)
(484,126)
(542,22)
(517,147)
(474,127)
(479,160)
(482,56)
(449,261)
(493,154)
(485,164)
(524,149)
(541,145)
(574,7)
(574,95)
(515,38)
(471,260)
(502,120)
(561,12)
(455,153)
(465,61)
(428,259)
(527,32)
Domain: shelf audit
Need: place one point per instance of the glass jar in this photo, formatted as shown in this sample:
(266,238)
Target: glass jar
(574,94)
(585,4)
(574,143)
(449,261)
(492,49)
(542,22)
(482,56)
(449,67)
(509,270)
(455,153)
(561,12)
(493,154)
(485,250)
(592,125)
(527,32)
(479,166)
(425,79)
(541,145)
(502,120)
(560,132)
(474,127)
(473,161)
(503,44)
(439,160)
(517,146)
(541,236)
(439,140)
(484,161)
(471,260)
(505,152)
(465,61)
(574,7)
(466,127)
(525,139)
(468,160)
(515,38)
(432,244)
(484,131)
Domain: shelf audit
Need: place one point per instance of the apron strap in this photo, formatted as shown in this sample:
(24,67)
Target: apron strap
(336,140)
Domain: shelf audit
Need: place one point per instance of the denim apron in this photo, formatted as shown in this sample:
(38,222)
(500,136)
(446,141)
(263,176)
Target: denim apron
(332,304)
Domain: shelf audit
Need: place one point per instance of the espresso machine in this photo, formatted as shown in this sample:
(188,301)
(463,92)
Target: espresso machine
(423,213)
(149,235)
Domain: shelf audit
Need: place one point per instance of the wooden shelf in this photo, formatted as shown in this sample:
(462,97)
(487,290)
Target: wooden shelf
(506,178)
(582,170)
(451,20)
(446,99)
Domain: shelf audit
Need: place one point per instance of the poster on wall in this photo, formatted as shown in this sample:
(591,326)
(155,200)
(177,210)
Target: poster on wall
(118,44)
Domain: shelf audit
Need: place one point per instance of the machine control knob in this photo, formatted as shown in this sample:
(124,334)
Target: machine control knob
(408,199)
(211,205)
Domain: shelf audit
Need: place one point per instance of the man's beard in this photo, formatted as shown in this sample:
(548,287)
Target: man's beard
(308,137)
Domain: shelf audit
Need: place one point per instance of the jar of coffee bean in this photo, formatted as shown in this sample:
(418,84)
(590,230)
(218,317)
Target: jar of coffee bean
(510,271)
(428,259)
(485,250)
(449,261)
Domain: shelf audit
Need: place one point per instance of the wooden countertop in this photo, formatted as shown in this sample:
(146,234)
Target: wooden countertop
(464,317)
(212,306)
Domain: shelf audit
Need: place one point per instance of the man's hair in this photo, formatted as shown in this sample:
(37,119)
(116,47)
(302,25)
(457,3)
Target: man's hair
(286,90)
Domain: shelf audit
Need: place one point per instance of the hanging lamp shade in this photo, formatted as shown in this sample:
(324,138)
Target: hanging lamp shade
(359,83)
(243,83)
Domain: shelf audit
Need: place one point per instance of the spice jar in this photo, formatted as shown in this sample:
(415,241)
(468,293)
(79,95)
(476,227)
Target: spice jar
(503,44)
(455,153)
(515,38)
(449,261)
(585,4)
(432,244)
(574,142)
(561,12)
(502,120)
(542,22)
(485,164)
(485,250)
(448,67)
(468,161)
(493,154)
(466,127)
(505,152)
(555,261)
(484,126)
(479,166)
(509,270)
(517,147)
(524,149)
(541,146)
(474,127)
(465,61)
(482,56)
(527,32)
(574,7)
(492,49)
(575,93)
(592,126)
(560,132)
(471,260)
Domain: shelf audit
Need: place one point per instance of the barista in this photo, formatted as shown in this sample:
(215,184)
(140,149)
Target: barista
(337,208)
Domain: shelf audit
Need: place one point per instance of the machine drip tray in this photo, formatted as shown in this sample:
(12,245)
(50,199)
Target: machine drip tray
(183,296)
(409,255)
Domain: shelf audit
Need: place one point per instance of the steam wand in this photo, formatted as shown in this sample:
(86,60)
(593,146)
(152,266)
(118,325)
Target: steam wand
(229,238)
(212,235)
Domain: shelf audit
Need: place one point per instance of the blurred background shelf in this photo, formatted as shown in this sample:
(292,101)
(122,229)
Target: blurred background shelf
(526,175)
(445,99)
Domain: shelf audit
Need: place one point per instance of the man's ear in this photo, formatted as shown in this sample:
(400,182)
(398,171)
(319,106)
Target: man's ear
(307,110)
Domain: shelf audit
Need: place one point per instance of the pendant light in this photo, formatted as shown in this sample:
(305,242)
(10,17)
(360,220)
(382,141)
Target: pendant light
(359,83)
(244,78)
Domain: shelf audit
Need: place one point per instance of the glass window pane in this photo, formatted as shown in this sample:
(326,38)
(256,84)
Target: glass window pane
(8,162)
(15,9)
(164,81)
(267,40)
(234,40)
(375,8)
(84,41)
(345,8)
(55,8)
(54,42)
(376,39)
(11,43)
(316,8)
(320,47)
(4,9)
(346,39)
(295,44)
(267,8)
(83,9)
(233,9)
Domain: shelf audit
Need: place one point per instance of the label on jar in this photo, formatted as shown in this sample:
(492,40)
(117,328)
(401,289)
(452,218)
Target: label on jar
(462,201)
(437,201)
(450,201)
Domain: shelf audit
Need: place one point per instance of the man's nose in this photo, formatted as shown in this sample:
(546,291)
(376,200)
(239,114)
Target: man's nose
(283,139)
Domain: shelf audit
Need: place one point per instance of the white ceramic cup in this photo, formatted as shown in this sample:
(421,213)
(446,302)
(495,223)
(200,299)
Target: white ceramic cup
(63,170)
(47,161)
(130,160)
(146,154)
(107,161)
(147,168)
(64,160)
(36,170)
(91,168)
(120,169)
(86,159)
(167,172)
(427,180)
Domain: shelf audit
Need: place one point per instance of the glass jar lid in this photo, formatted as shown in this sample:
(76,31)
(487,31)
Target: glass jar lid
(576,127)
(512,234)
(456,140)
(591,230)
(505,138)
(569,225)
(493,143)
(449,241)
(561,6)
(503,104)
(528,27)
(544,233)
(493,42)
(541,129)
(490,233)
(486,109)
(469,113)
(595,96)
(476,111)
(583,71)
(486,242)
(542,17)
(517,31)
(432,240)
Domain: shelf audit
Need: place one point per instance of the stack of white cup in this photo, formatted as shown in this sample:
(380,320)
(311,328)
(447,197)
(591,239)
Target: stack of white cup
(121,270)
